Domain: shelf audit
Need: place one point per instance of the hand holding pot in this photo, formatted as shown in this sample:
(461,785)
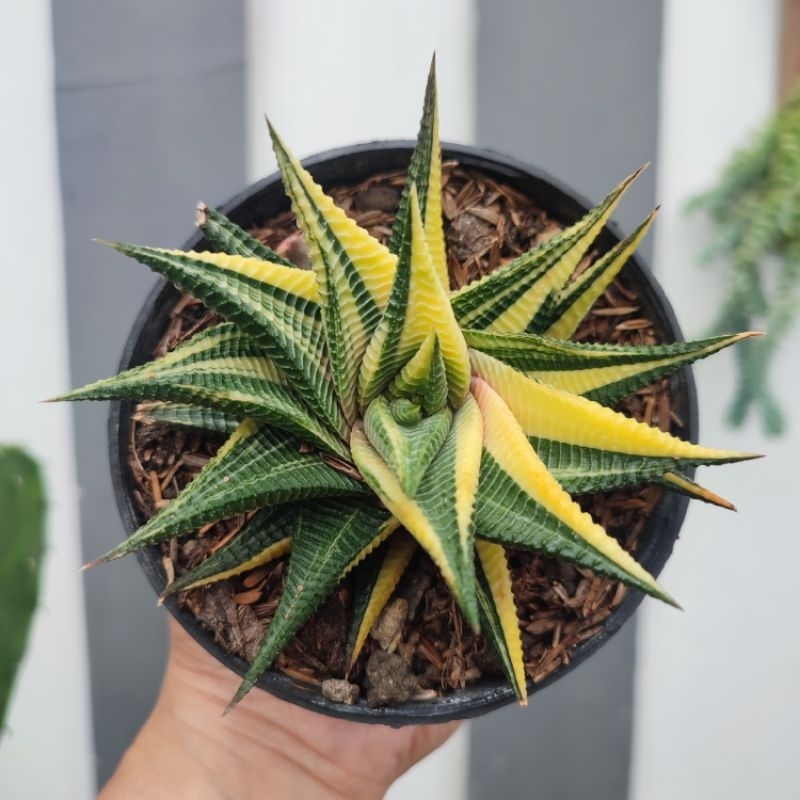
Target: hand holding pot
(264,747)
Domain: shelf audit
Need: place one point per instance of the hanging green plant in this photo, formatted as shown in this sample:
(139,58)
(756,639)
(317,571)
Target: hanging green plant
(755,210)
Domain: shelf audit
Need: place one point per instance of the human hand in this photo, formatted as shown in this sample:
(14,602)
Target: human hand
(264,748)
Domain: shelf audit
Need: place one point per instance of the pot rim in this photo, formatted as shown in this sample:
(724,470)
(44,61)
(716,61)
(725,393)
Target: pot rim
(360,161)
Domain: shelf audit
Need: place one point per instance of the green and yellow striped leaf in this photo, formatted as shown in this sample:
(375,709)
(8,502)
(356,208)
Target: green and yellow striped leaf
(603,373)
(256,467)
(499,621)
(507,300)
(227,237)
(407,447)
(424,378)
(547,414)
(520,503)
(373,586)
(354,273)
(440,515)
(267,536)
(277,306)
(418,305)
(326,538)
(573,302)
(220,368)
(425,172)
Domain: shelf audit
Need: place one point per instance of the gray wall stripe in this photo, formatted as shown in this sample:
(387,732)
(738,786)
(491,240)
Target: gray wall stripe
(150,106)
(571,87)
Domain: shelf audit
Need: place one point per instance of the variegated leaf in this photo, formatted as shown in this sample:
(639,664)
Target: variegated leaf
(423,379)
(520,503)
(373,586)
(499,621)
(327,537)
(573,302)
(507,300)
(604,373)
(568,429)
(267,536)
(425,172)
(354,273)
(439,515)
(256,467)
(227,237)
(408,447)
(418,305)
(220,368)
(277,306)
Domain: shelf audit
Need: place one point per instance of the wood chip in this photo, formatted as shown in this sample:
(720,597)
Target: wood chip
(247,598)
(634,324)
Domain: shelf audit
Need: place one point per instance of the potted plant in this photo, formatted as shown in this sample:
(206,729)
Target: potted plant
(392,399)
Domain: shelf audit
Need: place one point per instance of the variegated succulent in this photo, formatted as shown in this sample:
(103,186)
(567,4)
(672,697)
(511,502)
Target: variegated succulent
(464,417)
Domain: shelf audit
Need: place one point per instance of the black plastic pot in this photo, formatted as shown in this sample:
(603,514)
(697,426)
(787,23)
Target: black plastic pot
(349,166)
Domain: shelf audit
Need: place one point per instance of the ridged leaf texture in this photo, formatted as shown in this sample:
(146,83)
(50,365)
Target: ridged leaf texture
(327,537)
(257,466)
(370,411)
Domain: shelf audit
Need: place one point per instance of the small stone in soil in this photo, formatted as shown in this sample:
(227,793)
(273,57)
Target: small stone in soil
(340,691)
(390,680)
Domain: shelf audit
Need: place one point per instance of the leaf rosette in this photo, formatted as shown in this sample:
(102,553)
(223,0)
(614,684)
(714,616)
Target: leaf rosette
(463,417)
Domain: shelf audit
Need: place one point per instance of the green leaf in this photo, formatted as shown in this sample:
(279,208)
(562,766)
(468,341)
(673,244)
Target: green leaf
(507,300)
(222,369)
(423,379)
(440,514)
(257,466)
(227,237)
(583,470)
(425,173)
(267,536)
(327,537)
(418,305)
(569,430)
(22,500)
(573,302)
(520,503)
(179,415)
(277,306)
(408,448)
(354,273)
(603,373)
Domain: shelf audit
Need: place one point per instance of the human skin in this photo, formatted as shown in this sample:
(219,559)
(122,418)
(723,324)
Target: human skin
(264,747)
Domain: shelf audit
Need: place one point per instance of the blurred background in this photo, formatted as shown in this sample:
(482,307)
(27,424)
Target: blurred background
(118,117)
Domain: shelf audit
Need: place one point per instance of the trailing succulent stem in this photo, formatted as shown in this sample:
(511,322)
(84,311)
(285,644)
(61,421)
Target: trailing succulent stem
(755,211)
(464,419)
